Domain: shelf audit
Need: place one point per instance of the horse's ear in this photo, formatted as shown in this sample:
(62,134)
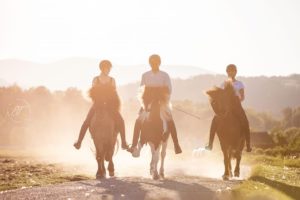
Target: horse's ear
(209,92)
(212,92)
(228,84)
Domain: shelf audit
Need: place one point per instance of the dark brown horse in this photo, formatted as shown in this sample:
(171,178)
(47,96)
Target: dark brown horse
(102,127)
(224,103)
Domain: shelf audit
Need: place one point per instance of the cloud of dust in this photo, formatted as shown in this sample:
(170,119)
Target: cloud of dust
(207,164)
(54,127)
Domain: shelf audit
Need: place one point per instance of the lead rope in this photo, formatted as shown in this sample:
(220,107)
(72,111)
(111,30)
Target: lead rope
(187,113)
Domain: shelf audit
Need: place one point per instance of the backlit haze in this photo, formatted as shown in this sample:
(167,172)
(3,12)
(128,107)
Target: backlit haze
(59,43)
(260,37)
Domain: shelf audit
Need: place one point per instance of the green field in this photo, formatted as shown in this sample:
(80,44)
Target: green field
(271,178)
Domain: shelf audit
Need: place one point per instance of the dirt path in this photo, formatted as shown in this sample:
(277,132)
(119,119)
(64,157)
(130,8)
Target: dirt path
(129,188)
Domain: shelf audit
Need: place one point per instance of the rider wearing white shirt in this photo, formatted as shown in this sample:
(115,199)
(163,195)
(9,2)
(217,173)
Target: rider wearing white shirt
(240,113)
(156,78)
(238,88)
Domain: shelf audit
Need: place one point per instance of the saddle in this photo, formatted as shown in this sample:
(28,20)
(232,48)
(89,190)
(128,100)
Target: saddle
(152,129)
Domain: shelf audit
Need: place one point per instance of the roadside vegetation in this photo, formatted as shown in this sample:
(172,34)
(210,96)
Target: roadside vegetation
(19,171)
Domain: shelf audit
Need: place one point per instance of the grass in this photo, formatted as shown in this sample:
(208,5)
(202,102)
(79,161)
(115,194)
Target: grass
(271,178)
(19,171)
(271,160)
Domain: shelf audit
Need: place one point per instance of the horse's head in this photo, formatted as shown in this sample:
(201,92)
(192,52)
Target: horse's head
(153,98)
(222,100)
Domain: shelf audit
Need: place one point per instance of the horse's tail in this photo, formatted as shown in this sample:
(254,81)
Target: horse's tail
(234,154)
(117,147)
(111,150)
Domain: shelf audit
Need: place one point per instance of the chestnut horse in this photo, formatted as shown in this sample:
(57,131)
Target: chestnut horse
(102,127)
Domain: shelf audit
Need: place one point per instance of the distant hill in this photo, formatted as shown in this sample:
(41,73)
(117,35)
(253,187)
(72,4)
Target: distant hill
(78,72)
(189,82)
(270,94)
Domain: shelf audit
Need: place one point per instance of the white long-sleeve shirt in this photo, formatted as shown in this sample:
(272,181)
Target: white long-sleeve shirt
(237,85)
(157,79)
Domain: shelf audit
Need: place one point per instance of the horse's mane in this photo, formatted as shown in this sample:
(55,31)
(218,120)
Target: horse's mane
(217,94)
(214,92)
(150,94)
(105,95)
(228,87)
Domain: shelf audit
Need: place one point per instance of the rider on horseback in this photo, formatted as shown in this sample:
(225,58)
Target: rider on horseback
(156,78)
(239,111)
(103,80)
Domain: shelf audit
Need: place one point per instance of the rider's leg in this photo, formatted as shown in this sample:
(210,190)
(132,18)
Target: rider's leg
(136,131)
(121,128)
(136,134)
(173,131)
(84,127)
(246,128)
(241,115)
(212,133)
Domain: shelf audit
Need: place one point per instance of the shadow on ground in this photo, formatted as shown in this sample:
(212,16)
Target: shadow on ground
(289,190)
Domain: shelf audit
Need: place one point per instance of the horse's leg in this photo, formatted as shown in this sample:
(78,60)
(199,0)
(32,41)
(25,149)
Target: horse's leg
(98,159)
(163,156)
(237,165)
(103,166)
(226,160)
(154,161)
(101,169)
(111,168)
(229,163)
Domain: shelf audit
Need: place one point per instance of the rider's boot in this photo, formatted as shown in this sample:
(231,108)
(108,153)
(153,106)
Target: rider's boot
(121,128)
(212,132)
(173,131)
(136,135)
(82,133)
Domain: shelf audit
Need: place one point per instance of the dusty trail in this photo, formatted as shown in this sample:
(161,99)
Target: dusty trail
(187,178)
(129,188)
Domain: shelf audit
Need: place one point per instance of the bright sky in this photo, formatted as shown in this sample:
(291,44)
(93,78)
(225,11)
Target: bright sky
(261,36)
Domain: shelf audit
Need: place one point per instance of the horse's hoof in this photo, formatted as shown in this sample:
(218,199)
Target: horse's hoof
(98,177)
(236,174)
(225,177)
(162,175)
(151,171)
(155,176)
(111,174)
